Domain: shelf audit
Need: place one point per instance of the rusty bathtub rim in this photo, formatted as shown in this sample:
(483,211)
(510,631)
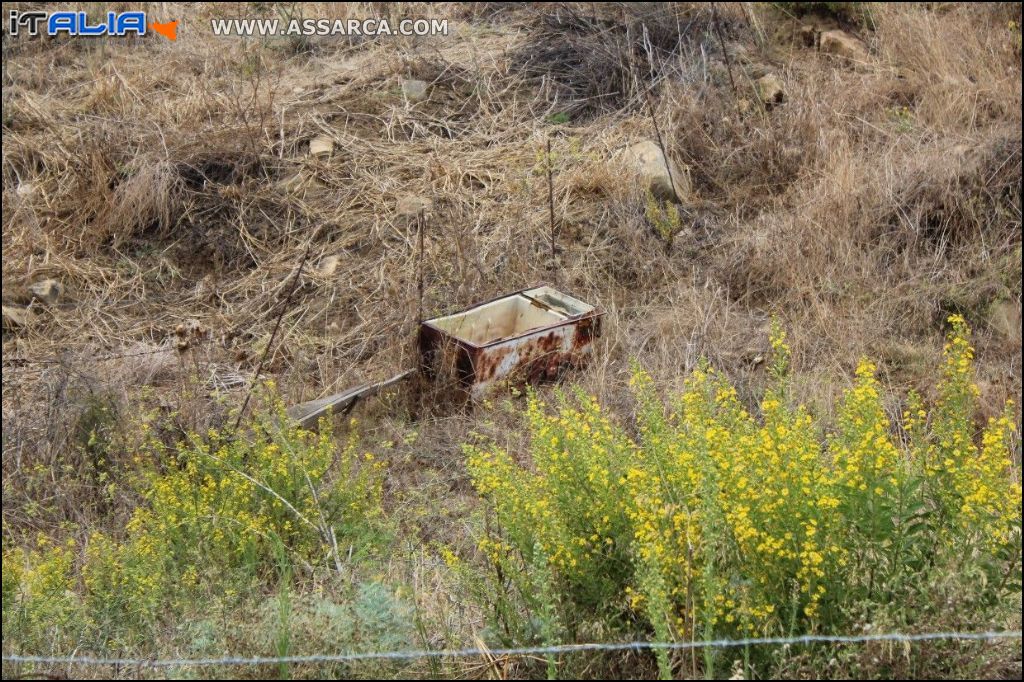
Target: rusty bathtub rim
(593,314)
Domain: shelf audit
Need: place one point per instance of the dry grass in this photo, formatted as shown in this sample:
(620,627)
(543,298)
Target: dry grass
(167,182)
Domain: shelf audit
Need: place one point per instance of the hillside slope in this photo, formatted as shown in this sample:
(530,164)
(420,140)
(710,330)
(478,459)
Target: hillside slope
(164,193)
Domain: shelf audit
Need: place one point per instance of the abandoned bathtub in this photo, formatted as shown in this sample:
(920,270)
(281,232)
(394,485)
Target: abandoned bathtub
(527,336)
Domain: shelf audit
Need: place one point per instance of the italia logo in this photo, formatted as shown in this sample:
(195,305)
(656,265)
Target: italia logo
(79,24)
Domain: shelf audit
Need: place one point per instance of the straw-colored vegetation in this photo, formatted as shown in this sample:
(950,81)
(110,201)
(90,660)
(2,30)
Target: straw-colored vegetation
(851,467)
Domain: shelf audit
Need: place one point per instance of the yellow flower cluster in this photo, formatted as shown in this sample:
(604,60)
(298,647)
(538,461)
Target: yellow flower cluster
(129,576)
(572,507)
(978,488)
(714,520)
(747,498)
(235,498)
(863,453)
(38,586)
(213,510)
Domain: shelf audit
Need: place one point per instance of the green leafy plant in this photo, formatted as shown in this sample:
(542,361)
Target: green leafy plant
(663,217)
(218,513)
(713,522)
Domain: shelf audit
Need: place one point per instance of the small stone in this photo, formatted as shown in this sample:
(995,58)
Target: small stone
(1005,319)
(328,266)
(47,291)
(411,205)
(842,44)
(414,90)
(17,318)
(770,89)
(321,145)
(655,174)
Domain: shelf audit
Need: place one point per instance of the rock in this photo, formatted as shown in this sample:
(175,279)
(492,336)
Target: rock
(654,172)
(813,26)
(17,318)
(414,90)
(770,89)
(321,145)
(1005,319)
(842,44)
(46,291)
(411,205)
(328,266)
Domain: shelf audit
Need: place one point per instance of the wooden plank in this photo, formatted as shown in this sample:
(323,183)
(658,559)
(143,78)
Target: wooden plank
(308,414)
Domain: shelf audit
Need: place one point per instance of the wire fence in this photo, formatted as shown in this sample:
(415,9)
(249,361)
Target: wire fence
(521,651)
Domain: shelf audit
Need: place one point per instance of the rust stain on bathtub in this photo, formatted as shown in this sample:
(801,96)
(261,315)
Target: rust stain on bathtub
(530,335)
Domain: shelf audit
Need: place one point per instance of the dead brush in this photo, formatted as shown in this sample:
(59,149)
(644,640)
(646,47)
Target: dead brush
(601,59)
(953,196)
(148,200)
(234,229)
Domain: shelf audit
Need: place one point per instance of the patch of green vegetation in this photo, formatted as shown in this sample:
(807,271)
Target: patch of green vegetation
(903,117)
(219,513)
(663,217)
(703,521)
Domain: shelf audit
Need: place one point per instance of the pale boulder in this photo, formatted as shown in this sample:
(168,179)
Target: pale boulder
(17,318)
(414,90)
(770,89)
(321,145)
(654,173)
(842,44)
(47,291)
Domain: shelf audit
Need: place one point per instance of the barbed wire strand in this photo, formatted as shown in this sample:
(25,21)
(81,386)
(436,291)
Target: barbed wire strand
(521,651)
